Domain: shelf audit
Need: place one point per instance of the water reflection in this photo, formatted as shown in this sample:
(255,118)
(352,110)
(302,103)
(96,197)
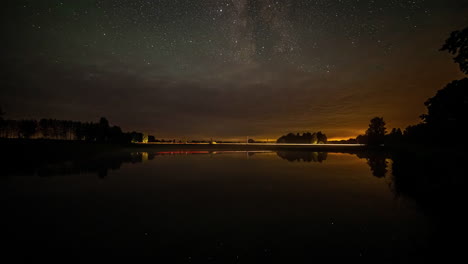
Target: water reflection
(58,166)
(46,166)
(419,176)
(304,156)
(434,180)
(231,203)
(377,162)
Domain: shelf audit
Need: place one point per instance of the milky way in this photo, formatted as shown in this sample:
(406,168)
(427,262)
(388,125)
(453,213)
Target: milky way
(227,69)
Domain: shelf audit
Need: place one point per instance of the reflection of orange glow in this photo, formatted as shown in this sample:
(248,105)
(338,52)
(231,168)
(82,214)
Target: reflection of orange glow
(339,154)
(187,152)
(182,152)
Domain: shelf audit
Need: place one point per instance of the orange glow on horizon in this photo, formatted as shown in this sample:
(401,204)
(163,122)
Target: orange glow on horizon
(340,138)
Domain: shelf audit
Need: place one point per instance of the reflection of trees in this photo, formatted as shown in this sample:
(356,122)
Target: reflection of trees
(305,156)
(430,177)
(377,161)
(436,180)
(378,165)
(65,165)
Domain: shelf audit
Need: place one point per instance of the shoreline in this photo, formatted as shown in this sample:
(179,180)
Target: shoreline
(25,146)
(253,146)
(19,145)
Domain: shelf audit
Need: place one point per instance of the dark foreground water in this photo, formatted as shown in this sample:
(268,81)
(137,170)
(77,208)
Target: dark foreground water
(223,207)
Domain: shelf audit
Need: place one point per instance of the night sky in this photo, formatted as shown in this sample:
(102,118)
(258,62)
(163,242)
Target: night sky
(228,69)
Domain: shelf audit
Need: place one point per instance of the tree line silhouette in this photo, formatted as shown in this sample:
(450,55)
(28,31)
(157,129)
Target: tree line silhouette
(54,129)
(305,138)
(447,114)
(447,111)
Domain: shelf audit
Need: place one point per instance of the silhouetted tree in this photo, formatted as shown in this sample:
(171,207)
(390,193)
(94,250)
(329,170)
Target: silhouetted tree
(362,139)
(136,137)
(457,44)
(447,111)
(321,138)
(396,132)
(115,134)
(305,138)
(11,129)
(103,130)
(416,134)
(376,131)
(394,137)
(2,122)
(44,128)
(314,139)
(27,128)
(67,130)
(63,129)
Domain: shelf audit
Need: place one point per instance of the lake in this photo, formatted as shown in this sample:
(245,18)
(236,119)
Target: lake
(220,207)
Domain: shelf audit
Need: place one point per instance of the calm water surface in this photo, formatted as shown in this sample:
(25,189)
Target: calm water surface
(226,207)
